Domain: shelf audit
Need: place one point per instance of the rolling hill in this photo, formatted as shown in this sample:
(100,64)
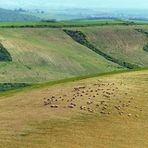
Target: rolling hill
(43,54)
(80,89)
(12,16)
(104,111)
(123,43)
(46,54)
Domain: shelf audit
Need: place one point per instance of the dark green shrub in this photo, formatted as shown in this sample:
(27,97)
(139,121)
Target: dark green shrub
(4,54)
(11,86)
(145,48)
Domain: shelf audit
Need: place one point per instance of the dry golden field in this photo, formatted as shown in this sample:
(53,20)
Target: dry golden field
(102,112)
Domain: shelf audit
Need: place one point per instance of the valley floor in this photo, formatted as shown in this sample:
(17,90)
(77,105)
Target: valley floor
(108,111)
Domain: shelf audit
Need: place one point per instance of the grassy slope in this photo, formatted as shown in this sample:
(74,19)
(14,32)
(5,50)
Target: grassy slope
(47,54)
(26,122)
(120,42)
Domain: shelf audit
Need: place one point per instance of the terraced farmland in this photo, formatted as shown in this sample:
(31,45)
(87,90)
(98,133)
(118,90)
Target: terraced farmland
(103,111)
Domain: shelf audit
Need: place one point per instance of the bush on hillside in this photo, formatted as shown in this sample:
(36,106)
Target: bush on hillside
(11,86)
(4,54)
(145,48)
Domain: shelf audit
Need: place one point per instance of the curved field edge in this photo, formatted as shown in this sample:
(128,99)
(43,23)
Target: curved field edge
(51,83)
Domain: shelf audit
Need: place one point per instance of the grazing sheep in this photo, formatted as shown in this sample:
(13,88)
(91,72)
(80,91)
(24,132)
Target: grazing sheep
(117,107)
(46,103)
(109,113)
(104,108)
(102,102)
(123,105)
(89,102)
(108,93)
(136,116)
(90,110)
(82,107)
(106,96)
(78,88)
(120,113)
(54,106)
(102,112)
(97,105)
(73,104)
(127,105)
(106,105)
(70,106)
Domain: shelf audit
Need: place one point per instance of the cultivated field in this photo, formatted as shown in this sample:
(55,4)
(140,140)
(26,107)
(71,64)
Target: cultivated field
(107,111)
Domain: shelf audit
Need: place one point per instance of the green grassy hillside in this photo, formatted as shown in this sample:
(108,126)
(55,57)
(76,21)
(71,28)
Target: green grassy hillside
(40,55)
(120,42)
(104,112)
(45,54)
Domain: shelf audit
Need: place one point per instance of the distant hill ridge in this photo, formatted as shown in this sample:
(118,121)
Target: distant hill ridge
(13,16)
